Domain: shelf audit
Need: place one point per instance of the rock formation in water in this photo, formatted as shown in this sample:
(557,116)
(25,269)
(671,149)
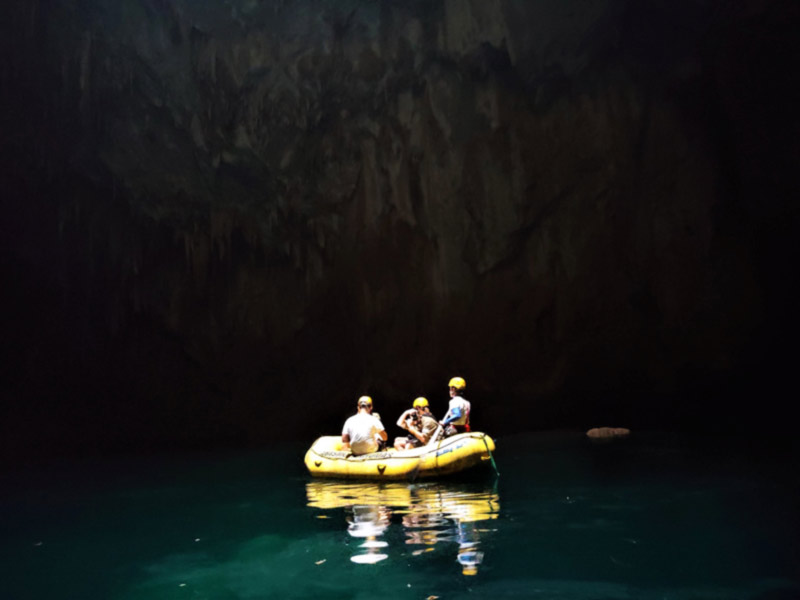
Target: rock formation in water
(608,433)
(230,219)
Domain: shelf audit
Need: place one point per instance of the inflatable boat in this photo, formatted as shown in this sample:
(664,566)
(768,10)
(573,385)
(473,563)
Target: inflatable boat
(454,454)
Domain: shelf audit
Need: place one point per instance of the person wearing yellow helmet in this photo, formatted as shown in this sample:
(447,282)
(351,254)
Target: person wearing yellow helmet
(457,418)
(363,432)
(419,423)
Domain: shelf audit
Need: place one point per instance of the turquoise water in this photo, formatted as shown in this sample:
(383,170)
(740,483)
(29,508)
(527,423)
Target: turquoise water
(654,516)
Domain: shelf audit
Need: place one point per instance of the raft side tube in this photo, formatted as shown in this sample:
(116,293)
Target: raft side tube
(454,454)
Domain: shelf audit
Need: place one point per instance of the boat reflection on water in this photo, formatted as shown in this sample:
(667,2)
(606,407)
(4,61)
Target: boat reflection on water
(369,522)
(432,515)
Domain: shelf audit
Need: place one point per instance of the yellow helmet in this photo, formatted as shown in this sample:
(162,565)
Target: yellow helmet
(420,402)
(458,383)
(365,401)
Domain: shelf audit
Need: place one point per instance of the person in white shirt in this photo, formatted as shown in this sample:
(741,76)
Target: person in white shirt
(362,433)
(457,418)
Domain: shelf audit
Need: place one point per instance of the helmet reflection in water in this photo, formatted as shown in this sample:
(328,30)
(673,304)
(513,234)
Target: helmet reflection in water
(434,516)
(469,557)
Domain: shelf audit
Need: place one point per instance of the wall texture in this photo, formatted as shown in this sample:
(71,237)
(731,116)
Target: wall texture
(224,221)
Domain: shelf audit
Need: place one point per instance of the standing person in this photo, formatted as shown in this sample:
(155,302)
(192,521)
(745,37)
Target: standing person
(457,418)
(419,422)
(363,433)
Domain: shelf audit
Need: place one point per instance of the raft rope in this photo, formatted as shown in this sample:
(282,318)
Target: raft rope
(491,456)
(415,472)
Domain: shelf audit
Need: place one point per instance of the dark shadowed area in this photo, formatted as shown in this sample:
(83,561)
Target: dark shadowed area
(222,222)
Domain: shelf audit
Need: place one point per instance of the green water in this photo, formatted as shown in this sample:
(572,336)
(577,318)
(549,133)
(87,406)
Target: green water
(654,516)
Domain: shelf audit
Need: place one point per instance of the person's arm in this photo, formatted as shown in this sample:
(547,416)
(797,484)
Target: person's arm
(346,441)
(380,431)
(452,415)
(417,434)
(401,422)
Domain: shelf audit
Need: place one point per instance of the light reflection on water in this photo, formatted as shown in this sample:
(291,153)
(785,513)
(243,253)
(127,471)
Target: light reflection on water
(430,515)
(650,518)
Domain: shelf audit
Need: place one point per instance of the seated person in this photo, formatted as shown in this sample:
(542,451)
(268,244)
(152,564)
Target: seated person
(363,433)
(457,418)
(419,423)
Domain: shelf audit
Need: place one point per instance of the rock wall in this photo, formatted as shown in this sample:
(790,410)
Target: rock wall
(223,213)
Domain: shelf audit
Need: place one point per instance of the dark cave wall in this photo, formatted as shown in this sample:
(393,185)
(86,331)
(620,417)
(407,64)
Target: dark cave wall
(218,214)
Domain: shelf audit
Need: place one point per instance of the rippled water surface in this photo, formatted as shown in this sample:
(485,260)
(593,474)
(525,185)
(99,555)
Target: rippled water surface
(653,516)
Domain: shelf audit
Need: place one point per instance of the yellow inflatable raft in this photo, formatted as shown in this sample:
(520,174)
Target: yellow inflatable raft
(451,455)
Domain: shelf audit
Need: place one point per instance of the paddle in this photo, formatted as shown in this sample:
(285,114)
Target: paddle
(436,437)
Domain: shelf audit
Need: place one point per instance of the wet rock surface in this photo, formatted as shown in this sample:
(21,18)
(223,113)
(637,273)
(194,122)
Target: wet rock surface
(225,221)
(608,433)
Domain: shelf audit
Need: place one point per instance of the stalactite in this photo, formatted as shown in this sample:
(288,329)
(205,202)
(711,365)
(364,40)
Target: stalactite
(187,247)
(313,271)
(85,60)
(221,226)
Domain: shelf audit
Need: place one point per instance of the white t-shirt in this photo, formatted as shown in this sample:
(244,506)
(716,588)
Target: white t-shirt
(362,428)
